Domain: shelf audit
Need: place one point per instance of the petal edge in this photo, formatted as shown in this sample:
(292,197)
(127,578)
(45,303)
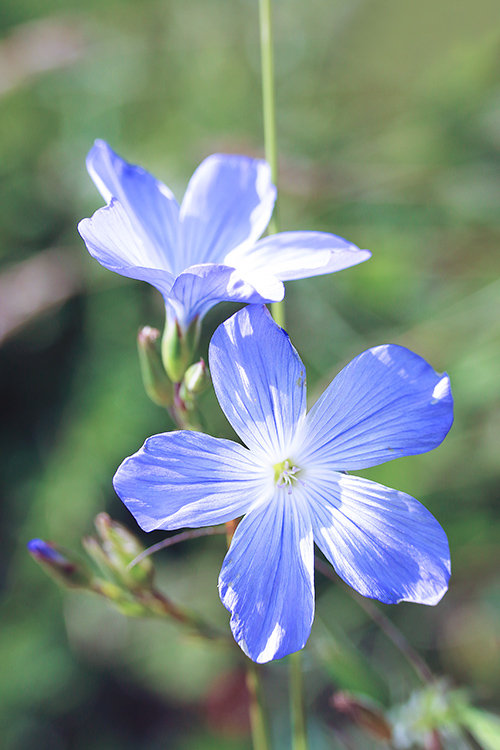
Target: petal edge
(382,542)
(188,479)
(387,403)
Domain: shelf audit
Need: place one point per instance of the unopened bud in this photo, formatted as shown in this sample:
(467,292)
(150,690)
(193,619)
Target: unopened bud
(178,346)
(63,565)
(155,380)
(364,713)
(197,378)
(97,554)
(120,547)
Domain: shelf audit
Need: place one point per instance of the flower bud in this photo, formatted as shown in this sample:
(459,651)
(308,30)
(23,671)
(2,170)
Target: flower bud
(178,346)
(155,380)
(119,547)
(364,713)
(97,554)
(63,565)
(197,378)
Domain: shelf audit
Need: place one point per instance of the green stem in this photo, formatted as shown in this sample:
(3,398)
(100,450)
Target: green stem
(269,113)
(258,721)
(159,604)
(268,94)
(299,725)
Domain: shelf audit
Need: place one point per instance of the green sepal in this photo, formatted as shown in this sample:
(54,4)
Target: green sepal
(156,383)
(196,380)
(178,347)
(118,548)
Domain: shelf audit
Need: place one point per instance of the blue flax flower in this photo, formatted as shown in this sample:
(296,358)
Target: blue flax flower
(290,484)
(207,249)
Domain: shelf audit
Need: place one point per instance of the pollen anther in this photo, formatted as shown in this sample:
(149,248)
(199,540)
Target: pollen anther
(284,474)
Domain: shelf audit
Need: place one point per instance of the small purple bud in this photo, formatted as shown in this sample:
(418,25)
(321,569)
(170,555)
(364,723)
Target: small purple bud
(45,551)
(61,564)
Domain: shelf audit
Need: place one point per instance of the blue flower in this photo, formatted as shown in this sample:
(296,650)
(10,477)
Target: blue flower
(290,484)
(208,249)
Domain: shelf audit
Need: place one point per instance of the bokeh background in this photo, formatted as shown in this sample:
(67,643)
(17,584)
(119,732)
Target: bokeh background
(389,135)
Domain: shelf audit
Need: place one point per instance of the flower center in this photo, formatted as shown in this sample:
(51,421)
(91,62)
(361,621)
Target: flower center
(284,473)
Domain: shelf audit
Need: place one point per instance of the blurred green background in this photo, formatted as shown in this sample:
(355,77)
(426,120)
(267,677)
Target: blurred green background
(389,135)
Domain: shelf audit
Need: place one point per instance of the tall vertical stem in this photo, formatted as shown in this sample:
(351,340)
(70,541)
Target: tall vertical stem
(299,722)
(269,113)
(268,92)
(258,719)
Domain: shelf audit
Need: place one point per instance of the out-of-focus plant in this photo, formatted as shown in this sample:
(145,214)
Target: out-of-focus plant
(129,588)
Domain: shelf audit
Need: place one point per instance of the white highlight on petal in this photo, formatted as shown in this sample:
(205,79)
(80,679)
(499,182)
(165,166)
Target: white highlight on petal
(442,390)
(272,645)
(382,354)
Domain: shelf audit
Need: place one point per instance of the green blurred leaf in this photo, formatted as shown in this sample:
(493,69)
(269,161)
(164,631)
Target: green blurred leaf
(484,726)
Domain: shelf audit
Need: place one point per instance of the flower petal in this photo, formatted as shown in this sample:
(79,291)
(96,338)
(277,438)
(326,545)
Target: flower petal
(148,203)
(388,402)
(382,542)
(229,200)
(112,240)
(259,381)
(201,287)
(267,580)
(298,255)
(181,479)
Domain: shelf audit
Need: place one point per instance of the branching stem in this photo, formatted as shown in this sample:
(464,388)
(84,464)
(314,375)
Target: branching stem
(171,540)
